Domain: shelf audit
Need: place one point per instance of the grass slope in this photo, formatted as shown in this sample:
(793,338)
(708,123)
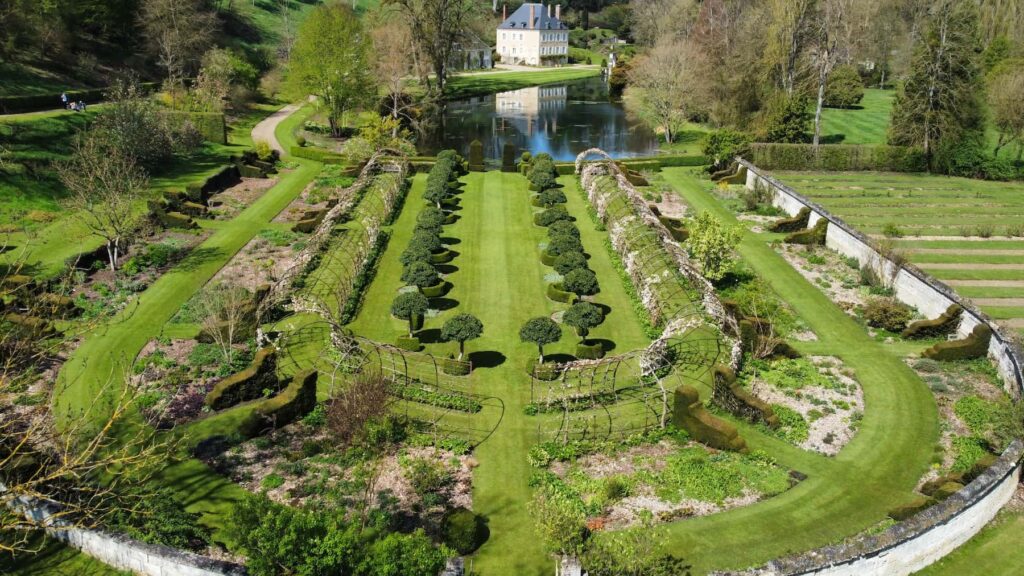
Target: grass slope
(843,495)
(466,85)
(995,551)
(867,124)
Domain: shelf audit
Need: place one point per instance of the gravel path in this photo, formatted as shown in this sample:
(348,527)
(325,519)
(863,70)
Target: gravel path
(265,129)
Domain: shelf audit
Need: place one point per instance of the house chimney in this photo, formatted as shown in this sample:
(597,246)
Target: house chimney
(504,12)
(532,7)
(558,11)
(549,10)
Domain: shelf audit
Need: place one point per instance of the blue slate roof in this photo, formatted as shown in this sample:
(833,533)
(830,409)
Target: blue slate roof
(519,20)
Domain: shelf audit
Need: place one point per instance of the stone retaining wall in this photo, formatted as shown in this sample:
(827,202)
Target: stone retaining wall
(928,536)
(119,551)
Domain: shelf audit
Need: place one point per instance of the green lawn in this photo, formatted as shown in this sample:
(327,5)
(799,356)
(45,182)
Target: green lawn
(995,551)
(52,558)
(877,470)
(466,85)
(945,209)
(867,124)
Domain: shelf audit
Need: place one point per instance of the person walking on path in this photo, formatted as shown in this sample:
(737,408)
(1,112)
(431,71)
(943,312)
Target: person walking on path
(64,99)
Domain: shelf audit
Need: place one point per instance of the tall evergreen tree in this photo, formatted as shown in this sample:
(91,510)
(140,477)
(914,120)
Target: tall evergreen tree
(941,99)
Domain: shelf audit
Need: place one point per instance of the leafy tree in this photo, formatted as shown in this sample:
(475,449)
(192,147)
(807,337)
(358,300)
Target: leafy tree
(661,85)
(581,281)
(790,119)
(1004,98)
(409,305)
(561,244)
(713,245)
(420,274)
(540,331)
(787,32)
(103,185)
(331,59)
(583,316)
(460,328)
(432,217)
(940,97)
(437,26)
(437,192)
(131,123)
(552,215)
(845,88)
(722,146)
(542,173)
(570,261)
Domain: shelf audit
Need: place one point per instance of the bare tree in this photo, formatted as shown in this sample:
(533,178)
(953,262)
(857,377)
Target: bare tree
(179,32)
(395,62)
(652,21)
(788,34)
(831,36)
(225,309)
(662,82)
(1005,99)
(367,397)
(437,25)
(104,185)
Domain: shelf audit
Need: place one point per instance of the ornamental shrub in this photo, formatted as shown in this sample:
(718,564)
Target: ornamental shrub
(563,228)
(476,156)
(551,197)
(581,281)
(789,120)
(429,239)
(420,274)
(409,306)
(845,88)
(463,530)
(563,245)
(887,313)
(550,216)
(431,217)
(570,261)
(722,146)
(583,316)
(540,331)
(414,253)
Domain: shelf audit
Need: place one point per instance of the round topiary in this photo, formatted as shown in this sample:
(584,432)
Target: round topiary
(464,531)
(563,228)
(430,240)
(414,253)
(581,281)
(564,244)
(550,216)
(431,218)
(569,261)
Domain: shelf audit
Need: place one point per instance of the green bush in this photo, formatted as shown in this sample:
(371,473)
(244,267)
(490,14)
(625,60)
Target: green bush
(454,367)
(845,88)
(563,245)
(550,197)
(974,346)
(811,236)
(722,146)
(546,372)
(550,216)
(463,531)
(589,351)
(556,292)
(888,314)
(294,402)
(435,291)
(944,324)
(563,228)
(793,223)
(789,119)
(508,157)
(569,261)
(581,281)
(476,156)
(410,343)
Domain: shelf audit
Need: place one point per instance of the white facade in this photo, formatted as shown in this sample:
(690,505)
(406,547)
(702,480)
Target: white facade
(533,35)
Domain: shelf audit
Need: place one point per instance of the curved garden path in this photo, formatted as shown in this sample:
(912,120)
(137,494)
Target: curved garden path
(266,129)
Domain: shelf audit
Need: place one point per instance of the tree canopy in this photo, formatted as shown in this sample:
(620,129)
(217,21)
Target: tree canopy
(460,328)
(540,331)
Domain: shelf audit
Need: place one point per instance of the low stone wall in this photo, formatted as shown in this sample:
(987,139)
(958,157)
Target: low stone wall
(911,285)
(914,543)
(120,551)
(928,536)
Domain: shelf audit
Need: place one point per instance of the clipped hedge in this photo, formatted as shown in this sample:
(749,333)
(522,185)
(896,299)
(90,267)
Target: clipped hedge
(688,413)
(454,367)
(556,292)
(734,398)
(442,256)
(546,372)
(586,351)
(464,531)
(975,345)
(435,291)
(838,157)
(248,384)
(211,125)
(294,402)
(946,323)
(547,258)
(409,343)
(550,216)
(476,156)
(810,236)
(175,220)
(508,157)
(793,223)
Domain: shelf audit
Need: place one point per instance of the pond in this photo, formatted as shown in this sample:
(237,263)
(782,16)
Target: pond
(560,119)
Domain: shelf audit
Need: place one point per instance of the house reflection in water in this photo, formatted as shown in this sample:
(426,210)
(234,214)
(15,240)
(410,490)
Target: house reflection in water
(560,119)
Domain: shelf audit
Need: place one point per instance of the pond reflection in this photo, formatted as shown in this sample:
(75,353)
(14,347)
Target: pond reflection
(560,119)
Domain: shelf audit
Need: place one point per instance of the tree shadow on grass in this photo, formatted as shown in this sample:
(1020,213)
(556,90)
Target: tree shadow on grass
(558,358)
(447,268)
(443,303)
(450,240)
(606,344)
(199,257)
(430,336)
(487,359)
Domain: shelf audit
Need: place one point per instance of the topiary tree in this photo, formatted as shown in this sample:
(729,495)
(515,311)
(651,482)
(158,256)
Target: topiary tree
(581,281)
(583,316)
(429,239)
(431,217)
(476,156)
(563,228)
(409,305)
(551,197)
(713,245)
(460,328)
(508,157)
(562,244)
(551,215)
(436,192)
(845,89)
(569,261)
(420,274)
(540,331)
(429,227)
(541,180)
(414,253)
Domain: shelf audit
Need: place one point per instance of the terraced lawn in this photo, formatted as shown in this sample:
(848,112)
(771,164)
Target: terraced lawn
(867,124)
(995,551)
(967,233)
